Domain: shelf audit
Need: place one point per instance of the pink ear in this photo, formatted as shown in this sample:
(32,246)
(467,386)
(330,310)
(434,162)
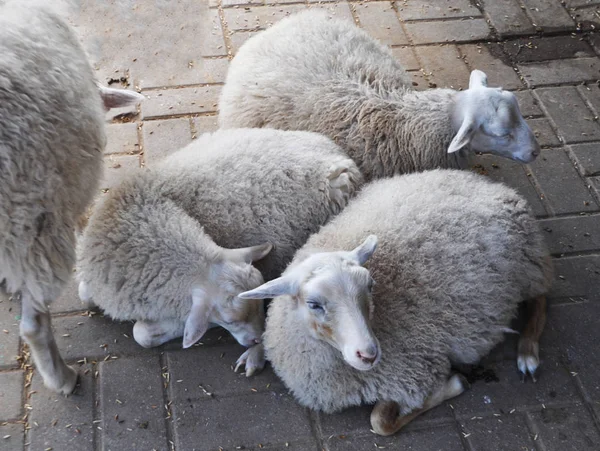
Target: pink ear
(463,136)
(117,98)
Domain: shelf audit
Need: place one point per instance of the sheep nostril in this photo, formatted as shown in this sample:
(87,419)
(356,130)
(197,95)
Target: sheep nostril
(257,340)
(369,356)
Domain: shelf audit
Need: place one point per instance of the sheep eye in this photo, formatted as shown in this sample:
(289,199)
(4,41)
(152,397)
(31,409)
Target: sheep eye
(315,306)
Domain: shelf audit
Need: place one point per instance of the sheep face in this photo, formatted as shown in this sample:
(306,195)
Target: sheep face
(332,293)
(489,120)
(215,298)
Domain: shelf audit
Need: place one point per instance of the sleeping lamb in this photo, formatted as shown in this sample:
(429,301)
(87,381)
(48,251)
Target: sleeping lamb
(163,248)
(456,255)
(308,72)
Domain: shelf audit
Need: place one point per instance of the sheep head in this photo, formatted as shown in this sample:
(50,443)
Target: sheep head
(489,120)
(332,296)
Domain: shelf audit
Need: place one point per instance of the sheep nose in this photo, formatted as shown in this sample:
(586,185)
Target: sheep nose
(369,355)
(536,152)
(257,340)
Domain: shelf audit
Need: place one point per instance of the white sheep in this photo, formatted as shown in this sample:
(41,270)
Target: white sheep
(159,250)
(51,143)
(456,255)
(309,72)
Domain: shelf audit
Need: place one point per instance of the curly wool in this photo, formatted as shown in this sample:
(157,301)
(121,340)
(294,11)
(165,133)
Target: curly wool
(148,241)
(456,254)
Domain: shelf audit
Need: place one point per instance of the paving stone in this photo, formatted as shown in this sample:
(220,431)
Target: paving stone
(226,3)
(573,330)
(204,124)
(562,187)
(569,112)
(336,10)
(11,390)
(265,418)
(550,15)
(448,31)
(10,316)
(131,390)
(586,18)
(435,9)
(555,385)
(543,132)
(576,277)
(156,52)
(507,17)
(420,83)
(59,422)
(116,167)
(578,3)
(122,138)
(443,438)
(528,104)
(591,94)
(499,433)
(535,49)
(512,173)
(69,301)
(575,70)
(214,70)
(380,21)
(588,158)
(406,57)
(170,102)
(162,138)
(499,73)
(238,38)
(214,42)
(572,234)
(444,66)
(12,437)
(255,18)
(566,429)
(212,368)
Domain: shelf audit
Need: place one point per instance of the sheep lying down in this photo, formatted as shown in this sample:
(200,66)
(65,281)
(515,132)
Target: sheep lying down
(455,256)
(309,72)
(173,246)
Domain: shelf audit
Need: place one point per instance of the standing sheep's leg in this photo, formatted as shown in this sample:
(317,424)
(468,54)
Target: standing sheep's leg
(36,329)
(85,295)
(386,419)
(528,360)
(154,333)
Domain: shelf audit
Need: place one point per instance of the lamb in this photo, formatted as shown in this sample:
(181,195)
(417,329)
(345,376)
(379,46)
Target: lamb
(457,254)
(163,248)
(51,142)
(308,72)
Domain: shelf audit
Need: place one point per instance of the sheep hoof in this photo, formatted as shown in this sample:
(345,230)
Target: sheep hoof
(528,360)
(457,384)
(85,295)
(253,360)
(64,385)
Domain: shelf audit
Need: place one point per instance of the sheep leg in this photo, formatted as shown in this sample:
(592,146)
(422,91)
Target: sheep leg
(36,330)
(386,418)
(150,334)
(253,360)
(528,359)
(85,295)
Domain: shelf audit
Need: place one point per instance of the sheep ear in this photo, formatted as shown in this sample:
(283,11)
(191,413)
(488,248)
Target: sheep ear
(197,322)
(272,289)
(364,252)
(248,254)
(463,136)
(478,79)
(117,98)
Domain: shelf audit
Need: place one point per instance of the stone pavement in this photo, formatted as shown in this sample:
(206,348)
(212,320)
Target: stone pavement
(177,52)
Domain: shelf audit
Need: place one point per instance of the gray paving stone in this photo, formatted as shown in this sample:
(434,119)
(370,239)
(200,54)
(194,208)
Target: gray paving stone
(549,15)
(591,94)
(264,418)
(573,234)
(588,158)
(507,17)
(211,368)
(535,49)
(337,9)
(578,3)
(116,167)
(406,57)
(162,138)
(499,434)
(577,277)
(566,429)
(12,437)
(213,70)
(122,138)
(11,391)
(448,31)
(575,70)
(214,42)
(68,301)
(444,66)
(380,21)
(528,104)
(259,17)
(562,187)
(479,56)
(59,422)
(204,124)
(435,9)
(543,132)
(200,99)
(10,316)
(586,18)
(443,438)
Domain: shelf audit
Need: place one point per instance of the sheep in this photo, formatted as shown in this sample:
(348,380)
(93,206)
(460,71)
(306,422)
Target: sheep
(51,142)
(162,250)
(308,72)
(457,254)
